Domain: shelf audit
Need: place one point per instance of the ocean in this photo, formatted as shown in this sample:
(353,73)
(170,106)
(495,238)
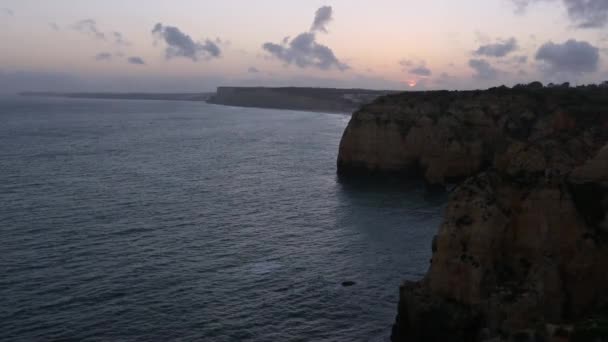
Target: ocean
(178,221)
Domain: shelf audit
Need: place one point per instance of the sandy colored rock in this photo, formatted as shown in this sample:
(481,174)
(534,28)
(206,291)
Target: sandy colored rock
(524,241)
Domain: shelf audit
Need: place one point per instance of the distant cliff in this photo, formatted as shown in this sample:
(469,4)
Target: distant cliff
(309,99)
(523,247)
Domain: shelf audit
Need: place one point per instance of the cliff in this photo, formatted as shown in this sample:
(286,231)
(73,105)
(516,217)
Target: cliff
(293,98)
(521,252)
(448,136)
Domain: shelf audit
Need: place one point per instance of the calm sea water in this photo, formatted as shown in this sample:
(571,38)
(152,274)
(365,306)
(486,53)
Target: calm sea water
(157,221)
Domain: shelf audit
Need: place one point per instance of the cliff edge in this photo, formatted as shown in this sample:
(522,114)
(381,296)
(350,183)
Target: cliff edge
(448,136)
(523,246)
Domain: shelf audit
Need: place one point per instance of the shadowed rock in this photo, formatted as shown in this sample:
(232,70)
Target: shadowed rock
(523,246)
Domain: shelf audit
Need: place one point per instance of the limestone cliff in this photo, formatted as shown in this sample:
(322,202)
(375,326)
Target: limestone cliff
(449,136)
(522,250)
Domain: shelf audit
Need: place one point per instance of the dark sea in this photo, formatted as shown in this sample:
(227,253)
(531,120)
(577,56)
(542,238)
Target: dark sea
(177,221)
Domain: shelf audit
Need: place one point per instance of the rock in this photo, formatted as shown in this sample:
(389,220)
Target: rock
(348,283)
(449,136)
(506,256)
(418,137)
(523,246)
(589,185)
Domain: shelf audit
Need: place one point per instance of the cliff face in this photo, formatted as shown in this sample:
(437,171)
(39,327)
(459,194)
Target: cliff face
(449,136)
(522,250)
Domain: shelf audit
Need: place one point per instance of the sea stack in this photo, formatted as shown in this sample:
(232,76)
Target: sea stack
(523,247)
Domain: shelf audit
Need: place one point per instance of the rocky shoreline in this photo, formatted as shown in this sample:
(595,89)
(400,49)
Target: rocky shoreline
(523,245)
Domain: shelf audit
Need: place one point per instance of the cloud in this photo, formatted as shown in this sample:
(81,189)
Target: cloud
(483,69)
(304,51)
(515,61)
(520,59)
(499,49)
(7,11)
(322,18)
(119,39)
(583,13)
(180,44)
(574,57)
(522,5)
(253,70)
(421,71)
(418,68)
(89,27)
(136,60)
(103,56)
(54,26)
(406,63)
(588,13)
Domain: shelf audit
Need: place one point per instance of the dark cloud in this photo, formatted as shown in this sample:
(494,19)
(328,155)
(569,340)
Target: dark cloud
(574,57)
(418,68)
(180,44)
(588,13)
(89,27)
(584,13)
(421,71)
(103,56)
(499,49)
(483,69)
(253,70)
(522,5)
(136,60)
(304,51)
(322,17)
(119,39)
(8,12)
(54,26)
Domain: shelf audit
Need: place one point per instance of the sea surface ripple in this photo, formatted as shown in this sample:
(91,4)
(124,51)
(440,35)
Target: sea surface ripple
(160,220)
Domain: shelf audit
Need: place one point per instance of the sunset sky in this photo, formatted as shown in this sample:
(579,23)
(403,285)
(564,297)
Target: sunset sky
(196,45)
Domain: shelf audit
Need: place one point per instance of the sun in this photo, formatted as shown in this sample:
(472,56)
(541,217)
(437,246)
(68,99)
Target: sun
(412,83)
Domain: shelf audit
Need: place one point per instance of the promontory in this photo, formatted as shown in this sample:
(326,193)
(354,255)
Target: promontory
(522,252)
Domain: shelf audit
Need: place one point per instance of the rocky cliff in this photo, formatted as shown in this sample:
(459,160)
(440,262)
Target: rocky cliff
(522,250)
(447,136)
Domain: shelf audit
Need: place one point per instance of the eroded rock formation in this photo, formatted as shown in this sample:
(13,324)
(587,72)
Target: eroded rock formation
(447,136)
(523,248)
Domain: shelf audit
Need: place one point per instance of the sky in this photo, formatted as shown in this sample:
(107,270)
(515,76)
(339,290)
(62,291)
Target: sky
(197,45)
